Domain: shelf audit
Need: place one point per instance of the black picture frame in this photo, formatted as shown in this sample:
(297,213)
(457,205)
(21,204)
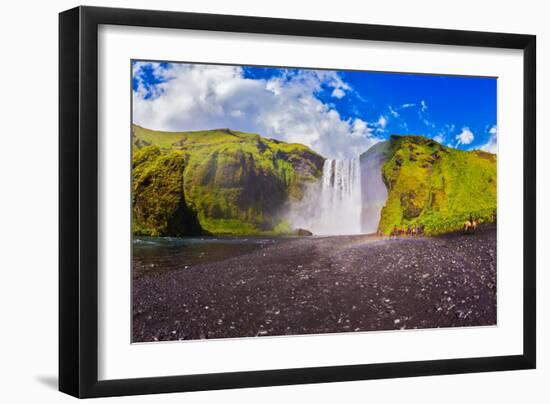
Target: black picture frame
(78,201)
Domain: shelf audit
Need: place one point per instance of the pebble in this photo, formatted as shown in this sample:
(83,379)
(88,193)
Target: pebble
(427,298)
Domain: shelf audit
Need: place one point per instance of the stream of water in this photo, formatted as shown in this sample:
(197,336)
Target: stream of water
(340,198)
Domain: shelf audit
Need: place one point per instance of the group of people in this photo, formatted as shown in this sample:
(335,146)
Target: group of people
(415,230)
(471,224)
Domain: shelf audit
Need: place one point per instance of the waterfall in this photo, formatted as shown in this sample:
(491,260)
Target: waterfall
(340,199)
(348,199)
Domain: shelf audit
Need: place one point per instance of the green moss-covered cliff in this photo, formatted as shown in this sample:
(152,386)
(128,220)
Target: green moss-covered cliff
(436,186)
(217,181)
(159,204)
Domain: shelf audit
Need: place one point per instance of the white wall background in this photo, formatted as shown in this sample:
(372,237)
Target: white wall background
(28,200)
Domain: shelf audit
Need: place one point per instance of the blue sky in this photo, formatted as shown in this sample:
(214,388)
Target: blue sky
(338,113)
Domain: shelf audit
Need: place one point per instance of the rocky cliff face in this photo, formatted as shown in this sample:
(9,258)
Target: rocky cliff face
(436,186)
(232,182)
(158,201)
(373,189)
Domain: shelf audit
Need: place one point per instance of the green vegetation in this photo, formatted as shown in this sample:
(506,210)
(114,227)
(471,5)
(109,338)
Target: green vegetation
(232,182)
(227,182)
(436,186)
(159,205)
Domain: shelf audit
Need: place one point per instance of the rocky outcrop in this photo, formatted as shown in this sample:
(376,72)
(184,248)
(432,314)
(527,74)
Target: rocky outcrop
(374,192)
(302,232)
(158,202)
(436,186)
(235,182)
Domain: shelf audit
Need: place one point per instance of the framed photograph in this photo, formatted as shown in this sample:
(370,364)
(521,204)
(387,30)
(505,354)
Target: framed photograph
(251,201)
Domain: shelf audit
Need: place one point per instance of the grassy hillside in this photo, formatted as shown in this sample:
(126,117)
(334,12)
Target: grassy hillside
(235,182)
(437,186)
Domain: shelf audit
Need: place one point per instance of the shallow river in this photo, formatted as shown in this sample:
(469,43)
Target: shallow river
(153,255)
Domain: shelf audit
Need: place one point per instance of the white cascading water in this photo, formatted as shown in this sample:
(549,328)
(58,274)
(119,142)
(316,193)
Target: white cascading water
(340,199)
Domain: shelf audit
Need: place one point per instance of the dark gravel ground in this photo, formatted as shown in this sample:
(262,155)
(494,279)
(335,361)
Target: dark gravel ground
(317,285)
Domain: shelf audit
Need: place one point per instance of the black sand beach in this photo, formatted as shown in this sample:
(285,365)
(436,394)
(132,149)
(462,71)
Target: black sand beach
(315,285)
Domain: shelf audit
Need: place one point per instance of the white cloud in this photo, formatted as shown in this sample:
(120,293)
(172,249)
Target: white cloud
(195,97)
(333,80)
(394,113)
(423,105)
(423,115)
(379,125)
(338,93)
(464,137)
(443,134)
(491,145)
(428,123)
(138,73)
(439,138)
